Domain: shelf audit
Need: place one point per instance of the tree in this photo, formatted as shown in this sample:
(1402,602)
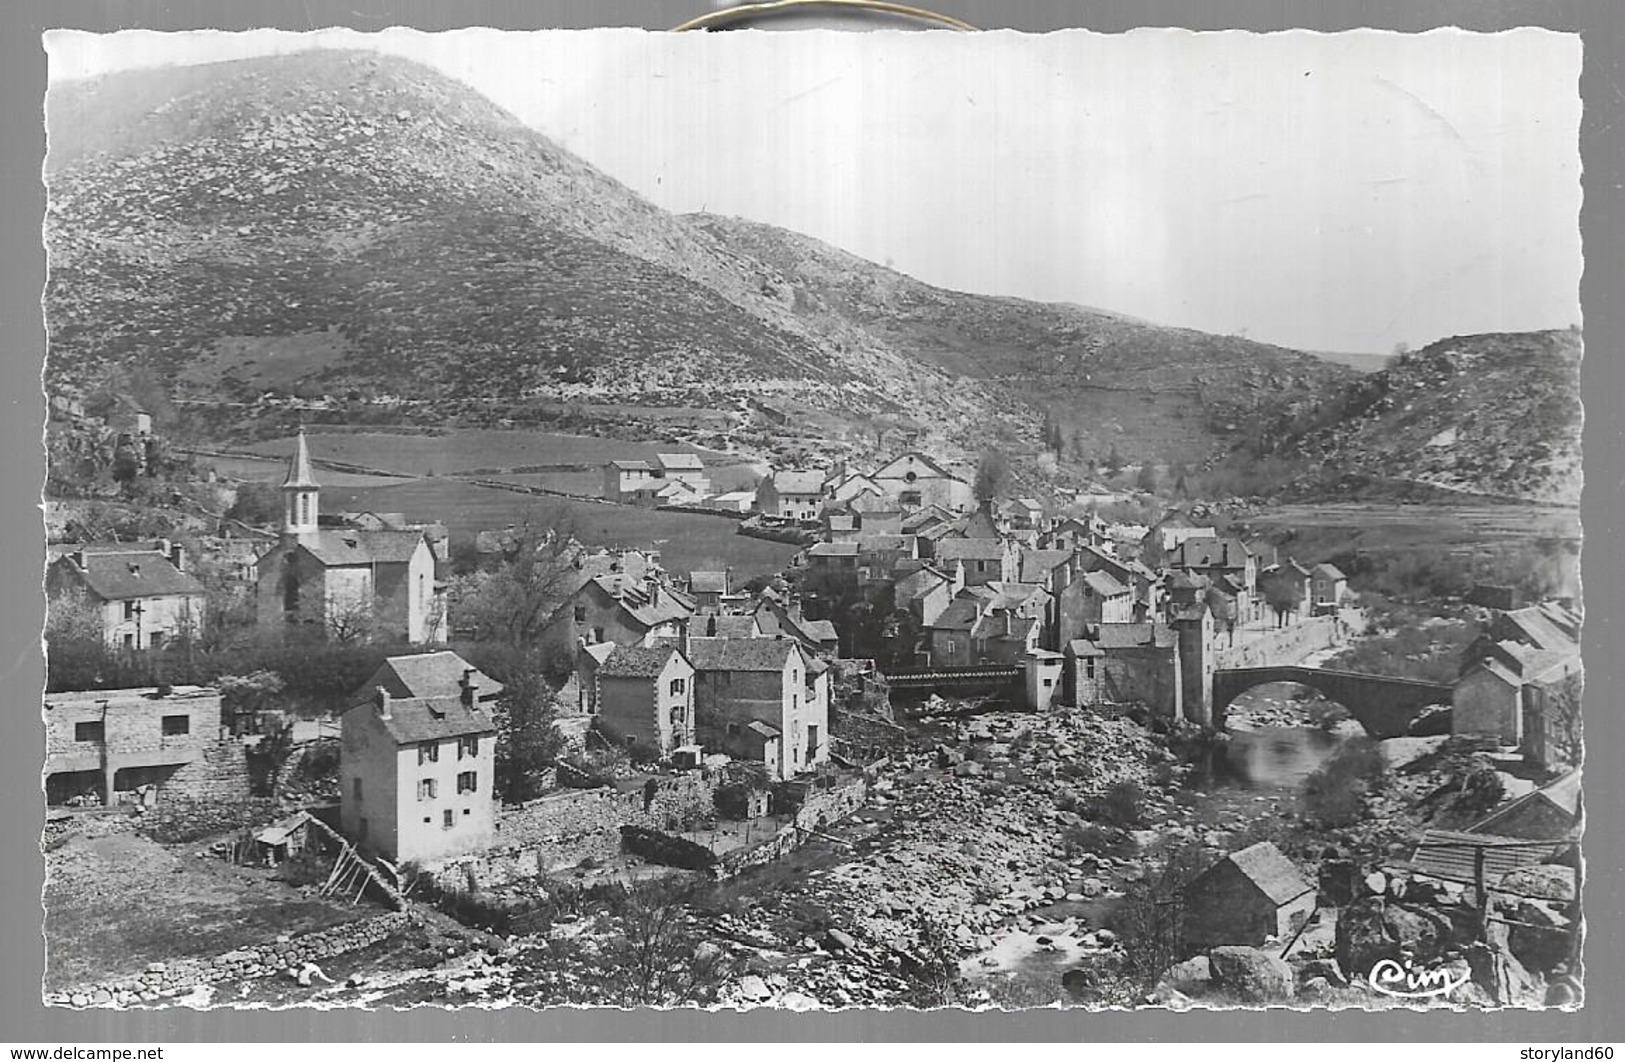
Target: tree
(1565,732)
(1150,922)
(1114,462)
(514,602)
(1147,478)
(992,475)
(257,504)
(244,699)
(528,743)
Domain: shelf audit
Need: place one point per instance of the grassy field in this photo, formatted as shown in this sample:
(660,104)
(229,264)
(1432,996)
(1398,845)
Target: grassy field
(99,925)
(687,542)
(468,449)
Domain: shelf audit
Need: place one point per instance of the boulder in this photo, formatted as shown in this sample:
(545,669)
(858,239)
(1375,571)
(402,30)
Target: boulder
(1192,972)
(1376,883)
(1325,969)
(1548,882)
(1250,975)
(1373,929)
(840,940)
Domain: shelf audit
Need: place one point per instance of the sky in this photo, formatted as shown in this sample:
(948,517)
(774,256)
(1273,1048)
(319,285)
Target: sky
(1332,192)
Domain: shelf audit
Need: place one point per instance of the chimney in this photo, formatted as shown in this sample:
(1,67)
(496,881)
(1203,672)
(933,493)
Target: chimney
(380,700)
(177,556)
(468,687)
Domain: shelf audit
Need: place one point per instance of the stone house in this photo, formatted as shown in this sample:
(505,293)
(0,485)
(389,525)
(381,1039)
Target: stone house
(985,560)
(345,583)
(143,596)
(644,698)
(1141,662)
(1104,600)
(1519,681)
(108,746)
(640,482)
(707,589)
(1074,533)
(1217,557)
(440,674)
(793,494)
(1552,812)
(1144,584)
(1329,587)
(766,681)
(1286,590)
(913,480)
(617,607)
(417,776)
(775,618)
(1246,899)
(1082,672)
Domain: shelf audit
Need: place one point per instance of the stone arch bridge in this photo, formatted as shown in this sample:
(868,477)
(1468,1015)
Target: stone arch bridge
(1384,706)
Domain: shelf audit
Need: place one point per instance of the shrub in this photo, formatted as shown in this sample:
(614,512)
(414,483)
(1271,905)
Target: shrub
(1122,805)
(1335,795)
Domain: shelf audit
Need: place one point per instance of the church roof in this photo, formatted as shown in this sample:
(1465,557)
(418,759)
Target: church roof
(339,549)
(299,474)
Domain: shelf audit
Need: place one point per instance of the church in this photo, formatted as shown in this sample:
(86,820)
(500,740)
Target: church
(341,584)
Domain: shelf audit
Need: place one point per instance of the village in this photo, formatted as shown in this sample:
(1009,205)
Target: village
(967,748)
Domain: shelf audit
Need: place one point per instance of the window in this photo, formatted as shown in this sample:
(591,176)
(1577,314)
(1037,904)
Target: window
(176,725)
(426,789)
(1089,667)
(129,610)
(355,788)
(678,686)
(812,743)
(598,634)
(428,752)
(1048,683)
(156,641)
(447,819)
(468,748)
(467,782)
(89,731)
(581,613)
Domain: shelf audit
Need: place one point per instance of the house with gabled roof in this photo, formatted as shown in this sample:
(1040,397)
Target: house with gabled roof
(1286,589)
(417,776)
(440,674)
(1329,585)
(707,589)
(762,697)
(986,560)
(643,698)
(913,480)
(618,607)
(791,493)
(343,583)
(1246,899)
(1553,812)
(143,595)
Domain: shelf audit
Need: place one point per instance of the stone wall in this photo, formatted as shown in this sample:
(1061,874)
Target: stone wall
(1289,645)
(220,773)
(819,810)
(558,831)
(166,979)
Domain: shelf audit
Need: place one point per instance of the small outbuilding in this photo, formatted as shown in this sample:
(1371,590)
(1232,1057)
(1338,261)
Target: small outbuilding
(1246,898)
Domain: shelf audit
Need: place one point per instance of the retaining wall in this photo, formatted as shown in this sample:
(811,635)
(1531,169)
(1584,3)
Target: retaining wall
(162,979)
(1288,645)
(820,809)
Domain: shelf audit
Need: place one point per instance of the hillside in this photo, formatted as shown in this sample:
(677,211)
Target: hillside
(359,223)
(1497,415)
(1160,393)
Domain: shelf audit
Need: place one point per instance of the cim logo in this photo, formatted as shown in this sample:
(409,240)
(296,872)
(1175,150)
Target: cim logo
(1402,981)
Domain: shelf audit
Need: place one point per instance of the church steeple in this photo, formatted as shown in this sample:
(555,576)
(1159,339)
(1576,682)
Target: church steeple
(300,492)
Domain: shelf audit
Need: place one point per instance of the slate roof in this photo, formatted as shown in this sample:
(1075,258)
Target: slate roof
(681,462)
(1135,636)
(129,575)
(1452,855)
(1328,571)
(738,627)
(1014,595)
(764,729)
(1563,794)
(960,615)
(1273,873)
(1037,564)
(739,654)
(1083,647)
(1103,584)
(1210,553)
(338,549)
(708,582)
(636,661)
(820,631)
(1535,627)
(799,481)
(427,675)
(633,466)
(986,549)
(833,549)
(992,627)
(415,719)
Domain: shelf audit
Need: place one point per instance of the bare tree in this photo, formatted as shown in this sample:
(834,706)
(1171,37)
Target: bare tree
(514,602)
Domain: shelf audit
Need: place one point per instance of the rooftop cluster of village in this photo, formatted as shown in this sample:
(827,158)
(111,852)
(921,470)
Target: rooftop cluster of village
(909,592)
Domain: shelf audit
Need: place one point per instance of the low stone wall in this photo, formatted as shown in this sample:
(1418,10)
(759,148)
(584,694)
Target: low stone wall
(1289,645)
(219,774)
(820,809)
(162,979)
(559,831)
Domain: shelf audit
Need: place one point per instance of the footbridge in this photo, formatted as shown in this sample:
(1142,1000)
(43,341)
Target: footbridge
(1384,706)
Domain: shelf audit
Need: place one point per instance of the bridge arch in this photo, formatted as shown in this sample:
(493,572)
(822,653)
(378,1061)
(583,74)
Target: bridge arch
(1384,706)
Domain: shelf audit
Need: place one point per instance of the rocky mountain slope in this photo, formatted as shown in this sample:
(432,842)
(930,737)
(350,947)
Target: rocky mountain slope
(364,222)
(353,222)
(1496,414)
(1162,393)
